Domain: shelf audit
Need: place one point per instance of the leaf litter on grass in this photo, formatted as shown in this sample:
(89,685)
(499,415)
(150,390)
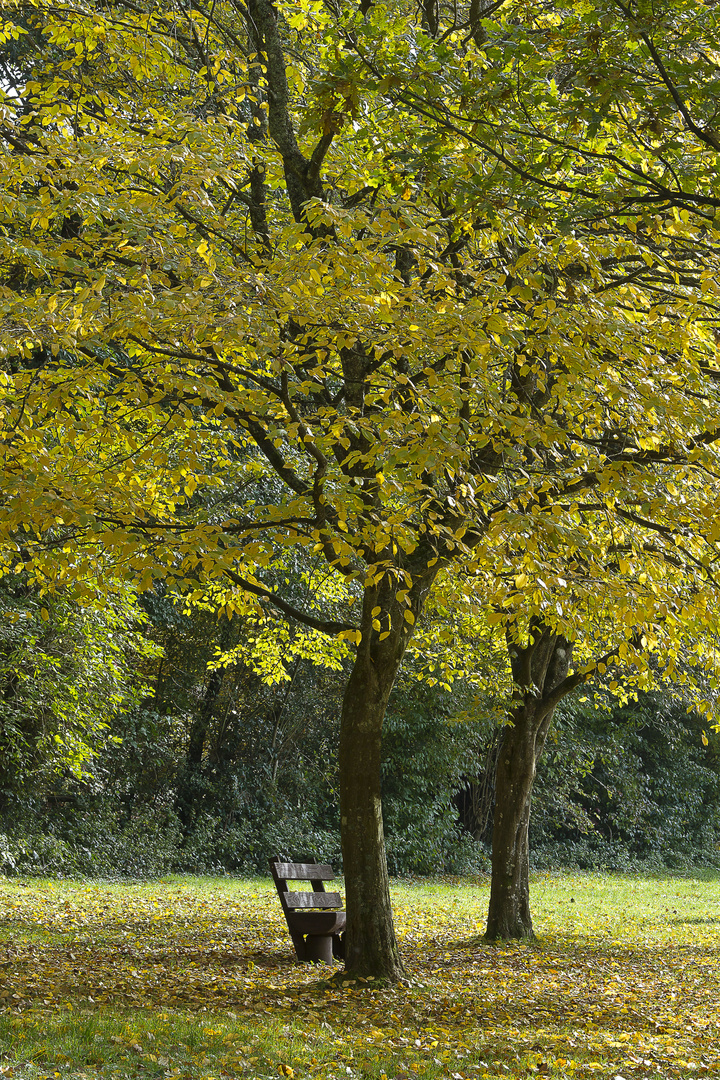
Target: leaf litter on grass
(194,978)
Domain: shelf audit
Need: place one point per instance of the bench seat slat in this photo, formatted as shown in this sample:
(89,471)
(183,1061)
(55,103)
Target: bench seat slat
(317,922)
(299,871)
(313,899)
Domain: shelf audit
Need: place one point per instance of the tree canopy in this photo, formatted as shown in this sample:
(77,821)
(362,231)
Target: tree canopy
(414,289)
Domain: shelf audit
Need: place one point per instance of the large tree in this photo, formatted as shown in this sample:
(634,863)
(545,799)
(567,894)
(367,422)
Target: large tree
(251,252)
(503,97)
(595,122)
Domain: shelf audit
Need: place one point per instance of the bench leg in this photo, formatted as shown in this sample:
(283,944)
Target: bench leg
(319,947)
(299,942)
(338,946)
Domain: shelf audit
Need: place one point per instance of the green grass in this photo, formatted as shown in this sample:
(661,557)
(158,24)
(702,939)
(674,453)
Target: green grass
(195,977)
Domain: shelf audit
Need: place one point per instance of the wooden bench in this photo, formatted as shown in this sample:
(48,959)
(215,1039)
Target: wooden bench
(317,935)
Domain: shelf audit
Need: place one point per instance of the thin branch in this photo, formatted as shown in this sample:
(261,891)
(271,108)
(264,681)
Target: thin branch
(325,626)
(705,135)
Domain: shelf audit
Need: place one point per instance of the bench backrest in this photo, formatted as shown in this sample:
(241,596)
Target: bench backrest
(314,872)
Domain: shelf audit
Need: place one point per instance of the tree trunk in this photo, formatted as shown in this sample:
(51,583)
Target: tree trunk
(370,943)
(190,786)
(540,673)
(509,911)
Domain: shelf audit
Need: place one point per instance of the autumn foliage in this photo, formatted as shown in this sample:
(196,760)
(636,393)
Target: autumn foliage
(425,294)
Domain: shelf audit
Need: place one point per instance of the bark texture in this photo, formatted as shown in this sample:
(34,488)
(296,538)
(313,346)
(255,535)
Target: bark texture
(370,943)
(540,674)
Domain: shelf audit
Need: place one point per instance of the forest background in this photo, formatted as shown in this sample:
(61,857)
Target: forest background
(125,752)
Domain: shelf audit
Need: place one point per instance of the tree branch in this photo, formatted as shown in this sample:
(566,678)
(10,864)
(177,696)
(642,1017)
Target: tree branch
(326,626)
(705,135)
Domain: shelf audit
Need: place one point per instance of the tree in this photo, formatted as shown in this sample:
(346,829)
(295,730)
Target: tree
(66,674)
(615,156)
(252,240)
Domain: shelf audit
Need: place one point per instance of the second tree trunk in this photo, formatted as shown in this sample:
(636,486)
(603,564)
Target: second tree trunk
(540,674)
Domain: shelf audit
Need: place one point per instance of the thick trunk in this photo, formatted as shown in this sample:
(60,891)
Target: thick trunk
(509,911)
(540,673)
(370,943)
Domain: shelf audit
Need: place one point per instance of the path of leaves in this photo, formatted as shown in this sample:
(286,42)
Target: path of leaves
(125,967)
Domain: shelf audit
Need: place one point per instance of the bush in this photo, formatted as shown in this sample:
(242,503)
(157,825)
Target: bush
(38,854)
(628,787)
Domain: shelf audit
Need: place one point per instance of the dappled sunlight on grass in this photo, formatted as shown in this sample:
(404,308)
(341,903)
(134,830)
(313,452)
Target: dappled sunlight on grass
(197,978)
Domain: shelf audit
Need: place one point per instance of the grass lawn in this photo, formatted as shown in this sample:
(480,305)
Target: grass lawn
(196,977)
